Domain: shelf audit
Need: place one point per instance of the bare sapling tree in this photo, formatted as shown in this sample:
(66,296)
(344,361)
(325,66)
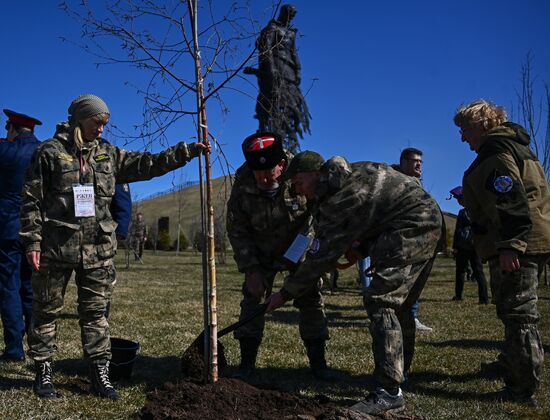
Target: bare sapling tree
(187,64)
(534,112)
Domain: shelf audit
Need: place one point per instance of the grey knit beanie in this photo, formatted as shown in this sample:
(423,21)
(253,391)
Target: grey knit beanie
(86,106)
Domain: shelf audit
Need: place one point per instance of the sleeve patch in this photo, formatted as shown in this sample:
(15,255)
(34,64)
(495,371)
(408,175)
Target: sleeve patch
(503,184)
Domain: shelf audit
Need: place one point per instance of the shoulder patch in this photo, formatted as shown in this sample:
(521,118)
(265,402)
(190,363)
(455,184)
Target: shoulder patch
(65,156)
(503,184)
(102,157)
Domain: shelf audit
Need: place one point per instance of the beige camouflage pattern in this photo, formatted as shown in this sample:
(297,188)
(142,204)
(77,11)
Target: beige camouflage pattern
(398,225)
(85,245)
(260,230)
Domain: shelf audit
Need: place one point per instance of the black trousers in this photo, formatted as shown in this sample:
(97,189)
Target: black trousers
(464,256)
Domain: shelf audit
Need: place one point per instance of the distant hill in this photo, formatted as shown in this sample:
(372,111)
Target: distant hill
(166,205)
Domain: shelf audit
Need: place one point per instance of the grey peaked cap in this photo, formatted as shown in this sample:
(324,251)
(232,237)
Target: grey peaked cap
(86,106)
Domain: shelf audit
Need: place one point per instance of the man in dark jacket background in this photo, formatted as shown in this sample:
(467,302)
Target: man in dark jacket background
(465,253)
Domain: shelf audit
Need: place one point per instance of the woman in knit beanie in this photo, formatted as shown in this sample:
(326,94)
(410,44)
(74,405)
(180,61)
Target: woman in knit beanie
(67,227)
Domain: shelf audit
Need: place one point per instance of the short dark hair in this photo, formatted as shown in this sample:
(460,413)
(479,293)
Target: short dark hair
(406,153)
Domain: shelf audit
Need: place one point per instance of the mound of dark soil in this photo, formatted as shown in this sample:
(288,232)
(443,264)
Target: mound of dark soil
(234,399)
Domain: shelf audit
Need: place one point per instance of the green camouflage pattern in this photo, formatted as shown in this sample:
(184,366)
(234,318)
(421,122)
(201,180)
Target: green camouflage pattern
(48,223)
(85,245)
(94,288)
(389,213)
(398,225)
(260,230)
(515,297)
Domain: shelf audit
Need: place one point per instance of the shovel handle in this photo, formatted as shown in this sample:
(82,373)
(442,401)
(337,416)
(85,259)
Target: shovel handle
(261,310)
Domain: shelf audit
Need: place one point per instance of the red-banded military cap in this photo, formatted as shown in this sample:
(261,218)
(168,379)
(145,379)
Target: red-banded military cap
(21,119)
(263,150)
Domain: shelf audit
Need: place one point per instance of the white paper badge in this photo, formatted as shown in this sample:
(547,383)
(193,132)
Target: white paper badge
(84,200)
(298,248)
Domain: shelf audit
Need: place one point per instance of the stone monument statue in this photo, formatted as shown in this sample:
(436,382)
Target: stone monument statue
(280,106)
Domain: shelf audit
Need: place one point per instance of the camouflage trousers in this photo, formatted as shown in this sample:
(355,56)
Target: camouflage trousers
(515,297)
(388,301)
(94,288)
(313,321)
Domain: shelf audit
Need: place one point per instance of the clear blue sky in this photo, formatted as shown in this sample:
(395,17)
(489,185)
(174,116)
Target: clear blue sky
(390,75)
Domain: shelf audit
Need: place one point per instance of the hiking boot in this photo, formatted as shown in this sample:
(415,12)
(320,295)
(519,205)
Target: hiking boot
(99,376)
(506,395)
(493,369)
(317,362)
(380,401)
(421,327)
(43,385)
(249,352)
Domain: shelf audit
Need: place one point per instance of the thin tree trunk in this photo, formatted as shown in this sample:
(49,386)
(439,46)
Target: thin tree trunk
(203,137)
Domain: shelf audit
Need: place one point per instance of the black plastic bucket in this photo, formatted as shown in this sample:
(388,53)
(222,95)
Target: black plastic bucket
(124,354)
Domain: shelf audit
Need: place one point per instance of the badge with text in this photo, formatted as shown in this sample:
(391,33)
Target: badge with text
(84,200)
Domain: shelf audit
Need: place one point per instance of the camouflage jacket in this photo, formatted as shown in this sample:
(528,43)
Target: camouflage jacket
(389,213)
(260,228)
(48,221)
(507,196)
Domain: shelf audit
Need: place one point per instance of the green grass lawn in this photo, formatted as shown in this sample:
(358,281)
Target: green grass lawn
(159,304)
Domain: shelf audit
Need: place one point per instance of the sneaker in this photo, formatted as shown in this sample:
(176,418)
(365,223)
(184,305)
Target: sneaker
(421,327)
(380,401)
(99,376)
(43,385)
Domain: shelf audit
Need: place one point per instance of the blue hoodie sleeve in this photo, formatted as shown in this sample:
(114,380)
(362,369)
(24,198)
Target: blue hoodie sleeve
(121,209)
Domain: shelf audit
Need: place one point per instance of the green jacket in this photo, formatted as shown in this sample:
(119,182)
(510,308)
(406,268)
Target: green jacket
(506,193)
(261,228)
(48,221)
(389,213)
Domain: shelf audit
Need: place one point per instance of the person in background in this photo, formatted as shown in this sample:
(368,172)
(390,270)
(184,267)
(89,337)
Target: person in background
(138,236)
(410,163)
(465,253)
(507,197)
(15,274)
(121,209)
(67,226)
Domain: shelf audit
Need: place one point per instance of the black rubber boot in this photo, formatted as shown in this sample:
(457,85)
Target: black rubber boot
(101,384)
(43,385)
(249,351)
(317,362)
